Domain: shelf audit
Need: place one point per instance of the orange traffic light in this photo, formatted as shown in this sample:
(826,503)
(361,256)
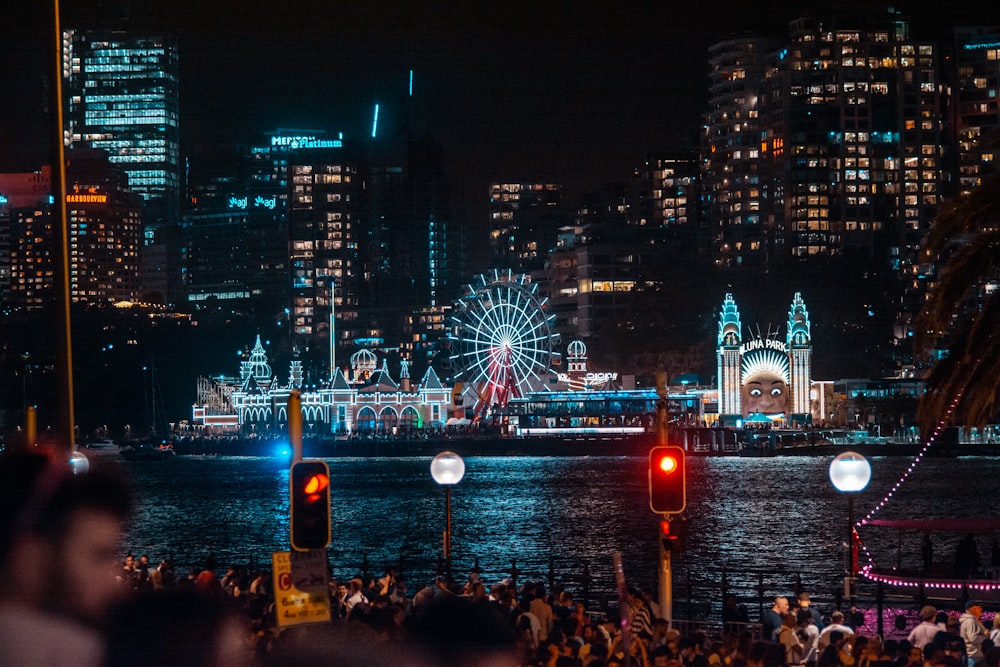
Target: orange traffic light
(667,480)
(309,482)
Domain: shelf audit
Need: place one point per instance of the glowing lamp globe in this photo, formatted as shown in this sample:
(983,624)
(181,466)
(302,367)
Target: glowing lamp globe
(850,472)
(447,468)
(79,463)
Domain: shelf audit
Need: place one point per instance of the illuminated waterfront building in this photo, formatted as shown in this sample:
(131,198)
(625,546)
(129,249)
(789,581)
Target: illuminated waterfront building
(121,95)
(761,376)
(365,399)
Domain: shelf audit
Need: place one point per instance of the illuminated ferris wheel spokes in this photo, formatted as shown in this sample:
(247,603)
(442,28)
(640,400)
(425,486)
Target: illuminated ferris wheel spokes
(502,338)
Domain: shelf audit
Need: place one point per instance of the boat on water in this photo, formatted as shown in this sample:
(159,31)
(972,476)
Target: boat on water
(145,451)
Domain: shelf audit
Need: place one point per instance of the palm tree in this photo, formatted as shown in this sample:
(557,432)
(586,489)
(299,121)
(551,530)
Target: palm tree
(961,316)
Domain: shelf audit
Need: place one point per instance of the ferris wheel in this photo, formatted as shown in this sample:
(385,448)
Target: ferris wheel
(501,338)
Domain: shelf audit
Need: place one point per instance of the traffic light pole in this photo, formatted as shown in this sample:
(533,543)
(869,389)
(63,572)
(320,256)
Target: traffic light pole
(666,582)
(295,424)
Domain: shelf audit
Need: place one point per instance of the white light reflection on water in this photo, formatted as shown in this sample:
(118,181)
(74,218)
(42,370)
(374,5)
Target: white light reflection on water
(778,516)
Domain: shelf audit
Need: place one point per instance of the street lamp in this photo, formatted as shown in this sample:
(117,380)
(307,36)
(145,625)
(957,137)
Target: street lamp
(447,469)
(850,473)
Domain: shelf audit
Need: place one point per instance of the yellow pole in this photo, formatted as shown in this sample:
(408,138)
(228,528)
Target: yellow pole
(30,427)
(295,424)
(64,362)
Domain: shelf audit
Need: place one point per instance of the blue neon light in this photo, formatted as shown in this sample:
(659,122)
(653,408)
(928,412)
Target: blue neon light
(375,122)
(411,83)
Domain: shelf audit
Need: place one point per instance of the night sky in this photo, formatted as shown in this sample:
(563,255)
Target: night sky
(557,91)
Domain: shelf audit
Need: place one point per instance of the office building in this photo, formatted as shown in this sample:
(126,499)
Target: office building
(104,225)
(525,219)
(121,95)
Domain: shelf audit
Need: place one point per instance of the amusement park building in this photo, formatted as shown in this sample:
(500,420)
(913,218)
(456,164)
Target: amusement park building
(369,400)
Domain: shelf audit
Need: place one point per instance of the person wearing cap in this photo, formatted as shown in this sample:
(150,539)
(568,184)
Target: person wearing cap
(972,631)
(924,632)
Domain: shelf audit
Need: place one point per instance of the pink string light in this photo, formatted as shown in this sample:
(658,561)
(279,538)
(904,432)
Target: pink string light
(866,571)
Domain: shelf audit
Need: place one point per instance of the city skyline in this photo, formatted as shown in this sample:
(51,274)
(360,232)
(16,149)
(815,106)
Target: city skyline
(532,94)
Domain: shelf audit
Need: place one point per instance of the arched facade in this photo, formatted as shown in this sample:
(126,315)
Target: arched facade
(371,401)
(764,374)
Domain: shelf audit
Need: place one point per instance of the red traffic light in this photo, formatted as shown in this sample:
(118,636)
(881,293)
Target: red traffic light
(309,483)
(673,534)
(667,480)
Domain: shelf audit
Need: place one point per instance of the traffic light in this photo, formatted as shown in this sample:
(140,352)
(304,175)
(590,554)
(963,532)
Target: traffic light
(667,486)
(310,505)
(673,535)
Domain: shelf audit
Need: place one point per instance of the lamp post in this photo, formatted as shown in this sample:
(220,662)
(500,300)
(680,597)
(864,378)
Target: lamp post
(850,473)
(447,469)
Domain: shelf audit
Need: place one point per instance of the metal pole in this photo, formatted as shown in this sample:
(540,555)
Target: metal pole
(333,332)
(447,531)
(852,553)
(666,585)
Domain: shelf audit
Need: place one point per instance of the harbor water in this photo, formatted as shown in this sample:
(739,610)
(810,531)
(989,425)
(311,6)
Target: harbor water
(767,523)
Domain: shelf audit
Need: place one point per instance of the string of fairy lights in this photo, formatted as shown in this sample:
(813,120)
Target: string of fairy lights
(869,570)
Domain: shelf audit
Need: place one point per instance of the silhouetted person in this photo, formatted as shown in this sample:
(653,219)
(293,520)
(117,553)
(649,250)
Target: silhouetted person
(60,535)
(927,552)
(966,557)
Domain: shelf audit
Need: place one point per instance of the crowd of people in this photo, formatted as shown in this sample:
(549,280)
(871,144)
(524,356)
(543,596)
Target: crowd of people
(805,637)
(60,531)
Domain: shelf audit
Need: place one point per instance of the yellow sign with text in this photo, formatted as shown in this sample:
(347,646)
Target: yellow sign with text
(300,587)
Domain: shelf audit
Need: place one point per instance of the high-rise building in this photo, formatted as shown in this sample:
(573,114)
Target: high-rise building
(668,191)
(735,183)
(975,102)
(121,96)
(831,144)
(863,138)
(525,219)
(103,219)
(325,208)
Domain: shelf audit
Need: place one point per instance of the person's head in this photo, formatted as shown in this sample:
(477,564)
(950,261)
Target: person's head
(837,617)
(928,613)
(804,601)
(54,517)
(974,608)
(781,604)
(177,628)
